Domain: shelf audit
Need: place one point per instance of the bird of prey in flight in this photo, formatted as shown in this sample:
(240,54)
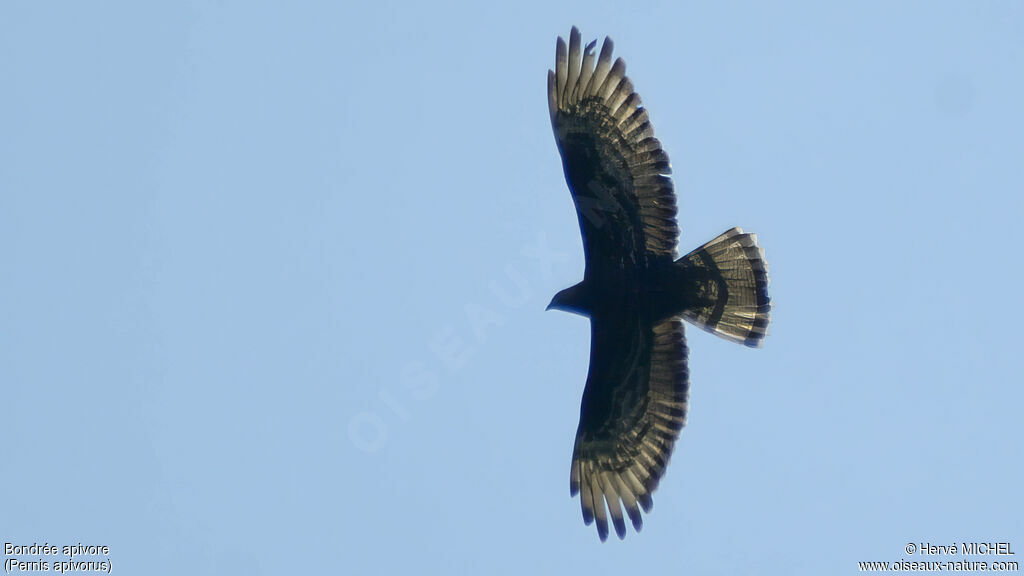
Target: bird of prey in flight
(634,289)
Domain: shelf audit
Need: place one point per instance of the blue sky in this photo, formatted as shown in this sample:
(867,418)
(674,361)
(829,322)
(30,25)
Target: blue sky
(273,278)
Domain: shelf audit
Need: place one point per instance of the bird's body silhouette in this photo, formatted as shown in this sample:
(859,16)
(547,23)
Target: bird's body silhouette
(634,289)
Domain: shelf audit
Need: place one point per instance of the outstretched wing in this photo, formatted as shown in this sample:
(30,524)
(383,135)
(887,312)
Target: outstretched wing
(634,406)
(614,166)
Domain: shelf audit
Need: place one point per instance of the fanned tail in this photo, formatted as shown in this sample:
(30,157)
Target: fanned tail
(728,288)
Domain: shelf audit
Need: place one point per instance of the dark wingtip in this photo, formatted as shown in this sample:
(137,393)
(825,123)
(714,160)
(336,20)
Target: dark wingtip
(602,529)
(620,527)
(646,502)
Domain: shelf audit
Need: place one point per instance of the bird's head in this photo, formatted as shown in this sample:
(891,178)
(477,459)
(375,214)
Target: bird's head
(570,300)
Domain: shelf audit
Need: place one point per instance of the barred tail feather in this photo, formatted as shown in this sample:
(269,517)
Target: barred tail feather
(730,294)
